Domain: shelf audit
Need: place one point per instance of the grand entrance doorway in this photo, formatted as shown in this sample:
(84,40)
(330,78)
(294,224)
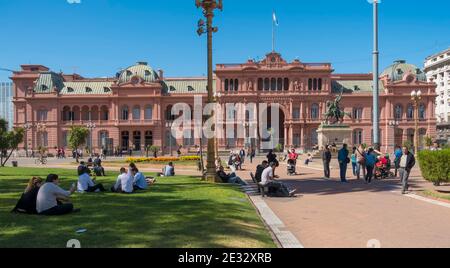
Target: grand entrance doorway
(275,120)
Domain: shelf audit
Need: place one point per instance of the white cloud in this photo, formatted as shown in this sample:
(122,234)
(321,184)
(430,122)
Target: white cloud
(74,1)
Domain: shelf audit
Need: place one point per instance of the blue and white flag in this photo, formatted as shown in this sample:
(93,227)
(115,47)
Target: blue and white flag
(275,19)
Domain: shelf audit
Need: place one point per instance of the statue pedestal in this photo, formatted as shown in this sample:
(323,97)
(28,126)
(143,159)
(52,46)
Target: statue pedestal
(339,134)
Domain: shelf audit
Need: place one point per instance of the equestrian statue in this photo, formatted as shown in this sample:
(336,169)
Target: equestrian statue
(334,112)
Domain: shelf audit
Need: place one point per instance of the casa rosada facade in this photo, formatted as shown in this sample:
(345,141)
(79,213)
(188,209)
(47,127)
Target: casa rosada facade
(133,109)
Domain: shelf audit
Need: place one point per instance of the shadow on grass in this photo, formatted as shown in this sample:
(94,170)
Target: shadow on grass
(181,212)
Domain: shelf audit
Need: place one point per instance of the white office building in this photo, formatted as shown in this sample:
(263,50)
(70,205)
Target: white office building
(437,68)
(6,105)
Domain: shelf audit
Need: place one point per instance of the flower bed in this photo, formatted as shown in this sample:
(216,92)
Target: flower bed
(161,159)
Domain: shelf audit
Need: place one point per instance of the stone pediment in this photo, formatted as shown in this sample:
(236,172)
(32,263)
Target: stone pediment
(273,60)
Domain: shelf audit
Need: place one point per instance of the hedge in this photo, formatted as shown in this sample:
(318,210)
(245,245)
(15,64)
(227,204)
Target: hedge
(435,165)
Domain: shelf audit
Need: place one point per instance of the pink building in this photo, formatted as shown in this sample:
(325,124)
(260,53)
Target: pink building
(132,109)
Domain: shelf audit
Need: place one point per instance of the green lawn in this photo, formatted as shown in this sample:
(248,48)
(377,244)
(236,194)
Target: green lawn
(177,212)
(435,194)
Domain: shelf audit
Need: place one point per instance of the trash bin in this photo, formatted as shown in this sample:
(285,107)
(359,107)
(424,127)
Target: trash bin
(15,163)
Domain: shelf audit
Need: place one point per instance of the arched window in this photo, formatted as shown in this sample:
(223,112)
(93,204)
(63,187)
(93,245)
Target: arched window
(260,84)
(43,139)
(148,138)
(315,84)
(148,115)
(320,84)
(279,84)
(42,115)
(169,116)
(310,84)
(226,85)
(422,111)
(286,84)
(124,113)
(357,113)
(231,85)
(315,111)
(398,112)
(103,138)
(357,137)
(104,113)
(66,114)
(266,84)
(273,84)
(410,112)
(137,140)
(85,113)
(76,112)
(236,85)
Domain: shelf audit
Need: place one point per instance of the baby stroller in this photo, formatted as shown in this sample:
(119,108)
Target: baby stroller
(291,169)
(384,171)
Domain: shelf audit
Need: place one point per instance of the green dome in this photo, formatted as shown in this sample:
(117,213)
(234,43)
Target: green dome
(142,70)
(400,68)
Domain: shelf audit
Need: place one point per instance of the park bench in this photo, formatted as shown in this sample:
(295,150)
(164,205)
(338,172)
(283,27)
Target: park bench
(264,190)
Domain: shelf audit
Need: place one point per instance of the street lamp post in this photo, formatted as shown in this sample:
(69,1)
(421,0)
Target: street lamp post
(26,127)
(416,96)
(376,55)
(91,126)
(169,126)
(208,7)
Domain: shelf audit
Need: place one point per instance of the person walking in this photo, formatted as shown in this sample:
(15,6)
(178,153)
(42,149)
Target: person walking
(252,154)
(242,156)
(354,161)
(344,160)
(361,162)
(407,163)
(326,157)
(398,155)
(371,160)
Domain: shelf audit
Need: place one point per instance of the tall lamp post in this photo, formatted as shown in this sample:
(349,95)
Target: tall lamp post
(91,126)
(26,127)
(416,96)
(208,7)
(376,55)
(169,125)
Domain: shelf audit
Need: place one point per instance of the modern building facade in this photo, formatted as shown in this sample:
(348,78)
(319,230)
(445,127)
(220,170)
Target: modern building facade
(437,68)
(6,104)
(133,109)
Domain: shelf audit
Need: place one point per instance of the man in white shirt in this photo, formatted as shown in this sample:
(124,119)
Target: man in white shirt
(50,197)
(86,184)
(124,183)
(278,188)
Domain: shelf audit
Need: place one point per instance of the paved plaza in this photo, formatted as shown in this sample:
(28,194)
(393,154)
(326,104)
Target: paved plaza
(329,214)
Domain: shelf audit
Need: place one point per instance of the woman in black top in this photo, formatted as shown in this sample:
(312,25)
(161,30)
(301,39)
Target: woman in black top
(27,202)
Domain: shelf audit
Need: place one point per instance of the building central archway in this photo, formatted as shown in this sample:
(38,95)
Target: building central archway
(276,127)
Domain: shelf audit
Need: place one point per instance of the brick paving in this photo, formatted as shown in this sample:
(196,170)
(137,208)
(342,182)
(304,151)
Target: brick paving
(329,214)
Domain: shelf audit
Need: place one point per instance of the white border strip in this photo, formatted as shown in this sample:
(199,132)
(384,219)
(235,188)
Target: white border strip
(428,200)
(285,238)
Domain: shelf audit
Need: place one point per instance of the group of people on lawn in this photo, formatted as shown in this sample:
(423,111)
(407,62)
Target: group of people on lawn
(48,198)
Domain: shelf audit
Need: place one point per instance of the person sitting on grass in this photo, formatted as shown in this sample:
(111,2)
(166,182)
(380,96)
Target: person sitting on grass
(27,202)
(229,178)
(124,183)
(276,188)
(140,182)
(86,184)
(169,170)
(50,198)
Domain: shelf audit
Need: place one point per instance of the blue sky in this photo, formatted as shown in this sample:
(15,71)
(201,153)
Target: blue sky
(98,37)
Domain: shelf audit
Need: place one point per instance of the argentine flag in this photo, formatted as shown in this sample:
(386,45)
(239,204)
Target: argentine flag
(275,19)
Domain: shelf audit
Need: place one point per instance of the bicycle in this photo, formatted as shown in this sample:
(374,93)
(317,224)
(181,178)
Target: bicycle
(41,161)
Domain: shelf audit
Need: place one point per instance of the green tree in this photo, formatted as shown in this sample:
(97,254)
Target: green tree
(9,141)
(77,138)
(428,141)
(154,150)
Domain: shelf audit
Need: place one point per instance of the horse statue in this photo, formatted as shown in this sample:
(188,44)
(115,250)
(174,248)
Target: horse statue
(334,112)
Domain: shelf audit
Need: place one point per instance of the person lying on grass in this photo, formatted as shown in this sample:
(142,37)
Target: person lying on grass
(50,198)
(140,182)
(86,184)
(27,202)
(124,183)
